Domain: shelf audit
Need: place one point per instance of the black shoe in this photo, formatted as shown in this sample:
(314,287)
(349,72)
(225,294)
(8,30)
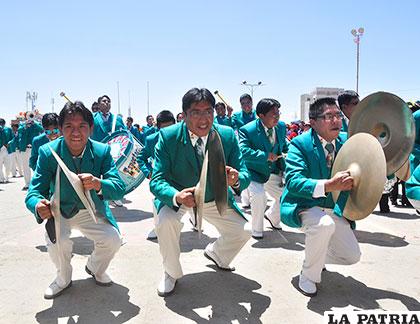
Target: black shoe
(271,224)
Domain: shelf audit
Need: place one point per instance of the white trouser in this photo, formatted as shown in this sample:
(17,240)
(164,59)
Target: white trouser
(258,200)
(106,238)
(3,162)
(15,163)
(233,235)
(245,197)
(328,239)
(415,203)
(24,161)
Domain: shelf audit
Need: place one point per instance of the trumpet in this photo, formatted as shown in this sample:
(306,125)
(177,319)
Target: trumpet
(62,94)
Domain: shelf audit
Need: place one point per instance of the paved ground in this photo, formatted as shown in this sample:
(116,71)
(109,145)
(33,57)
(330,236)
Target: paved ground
(261,290)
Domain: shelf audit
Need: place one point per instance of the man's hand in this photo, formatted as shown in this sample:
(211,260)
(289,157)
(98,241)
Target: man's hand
(273,157)
(232,175)
(43,208)
(186,197)
(342,181)
(229,110)
(90,182)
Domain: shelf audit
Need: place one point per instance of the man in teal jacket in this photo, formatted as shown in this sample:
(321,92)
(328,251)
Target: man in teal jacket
(221,117)
(307,200)
(178,163)
(145,159)
(347,101)
(412,187)
(51,132)
(105,123)
(93,164)
(262,143)
(27,131)
(4,139)
(104,120)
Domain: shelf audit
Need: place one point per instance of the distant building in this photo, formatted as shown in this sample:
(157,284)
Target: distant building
(319,92)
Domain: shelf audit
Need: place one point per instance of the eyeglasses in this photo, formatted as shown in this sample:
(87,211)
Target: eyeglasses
(330,117)
(55,131)
(201,113)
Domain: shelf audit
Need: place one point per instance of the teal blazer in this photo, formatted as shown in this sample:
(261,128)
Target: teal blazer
(305,164)
(3,139)
(255,147)
(27,134)
(176,166)
(12,144)
(415,154)
(412,186)
(96,160)
(227,121)
(240,119)
(102,129)
(37,142)
(148,153)
(344,127)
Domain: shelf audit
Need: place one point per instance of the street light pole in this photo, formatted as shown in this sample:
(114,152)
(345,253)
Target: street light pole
(357,35)
(252,86)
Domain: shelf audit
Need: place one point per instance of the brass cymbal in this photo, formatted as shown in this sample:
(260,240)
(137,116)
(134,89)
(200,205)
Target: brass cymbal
(404,173)
(388,118)
(363,156)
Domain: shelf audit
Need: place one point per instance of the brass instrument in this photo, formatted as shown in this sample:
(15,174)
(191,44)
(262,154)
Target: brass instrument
(381,138)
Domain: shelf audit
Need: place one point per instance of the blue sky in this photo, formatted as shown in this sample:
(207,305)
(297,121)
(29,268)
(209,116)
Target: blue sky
(85,47)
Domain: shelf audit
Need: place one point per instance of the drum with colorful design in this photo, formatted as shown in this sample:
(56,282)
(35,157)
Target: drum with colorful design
(125,149)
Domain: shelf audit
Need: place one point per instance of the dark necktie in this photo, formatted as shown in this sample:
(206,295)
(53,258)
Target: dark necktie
(199,151)
(330,156)
(270,135)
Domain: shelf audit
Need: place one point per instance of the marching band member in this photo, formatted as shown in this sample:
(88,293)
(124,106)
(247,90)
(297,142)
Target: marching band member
(145,159)
(221,117)
(4,139)
(178,162)
(133,129)
(347,101)
(93,164)
(15,162)
(262,143)
(27,131)
(51,132)
(104,119)
(307,200)
(105,123)
(239,119)
(149,128)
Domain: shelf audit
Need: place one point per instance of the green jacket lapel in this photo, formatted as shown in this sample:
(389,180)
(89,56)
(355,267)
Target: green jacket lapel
(189,150)
(320,154)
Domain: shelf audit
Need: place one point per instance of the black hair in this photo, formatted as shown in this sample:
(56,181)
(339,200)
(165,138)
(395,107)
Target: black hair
(266,104)
(104,96)
(72,108)
(245,96)
(316,109)
(147,117)
(164,116)
(196,95)
(220,104)
(49,119)
(345,97)
(2,122)
(130,119)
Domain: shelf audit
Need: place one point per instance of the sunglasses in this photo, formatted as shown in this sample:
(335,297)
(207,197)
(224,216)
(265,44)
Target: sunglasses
(55,131)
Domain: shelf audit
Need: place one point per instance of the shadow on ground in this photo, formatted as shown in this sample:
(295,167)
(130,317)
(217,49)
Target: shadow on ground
(192,241)
(218,297)
(380,239)
(81,246)
(85,302)
(122,214)
(281,239)
(395,215)
(338,291)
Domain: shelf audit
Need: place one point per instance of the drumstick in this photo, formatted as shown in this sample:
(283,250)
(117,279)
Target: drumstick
(64,95)
(221,98)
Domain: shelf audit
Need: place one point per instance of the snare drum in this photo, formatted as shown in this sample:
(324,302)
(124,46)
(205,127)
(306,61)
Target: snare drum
(125,149)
